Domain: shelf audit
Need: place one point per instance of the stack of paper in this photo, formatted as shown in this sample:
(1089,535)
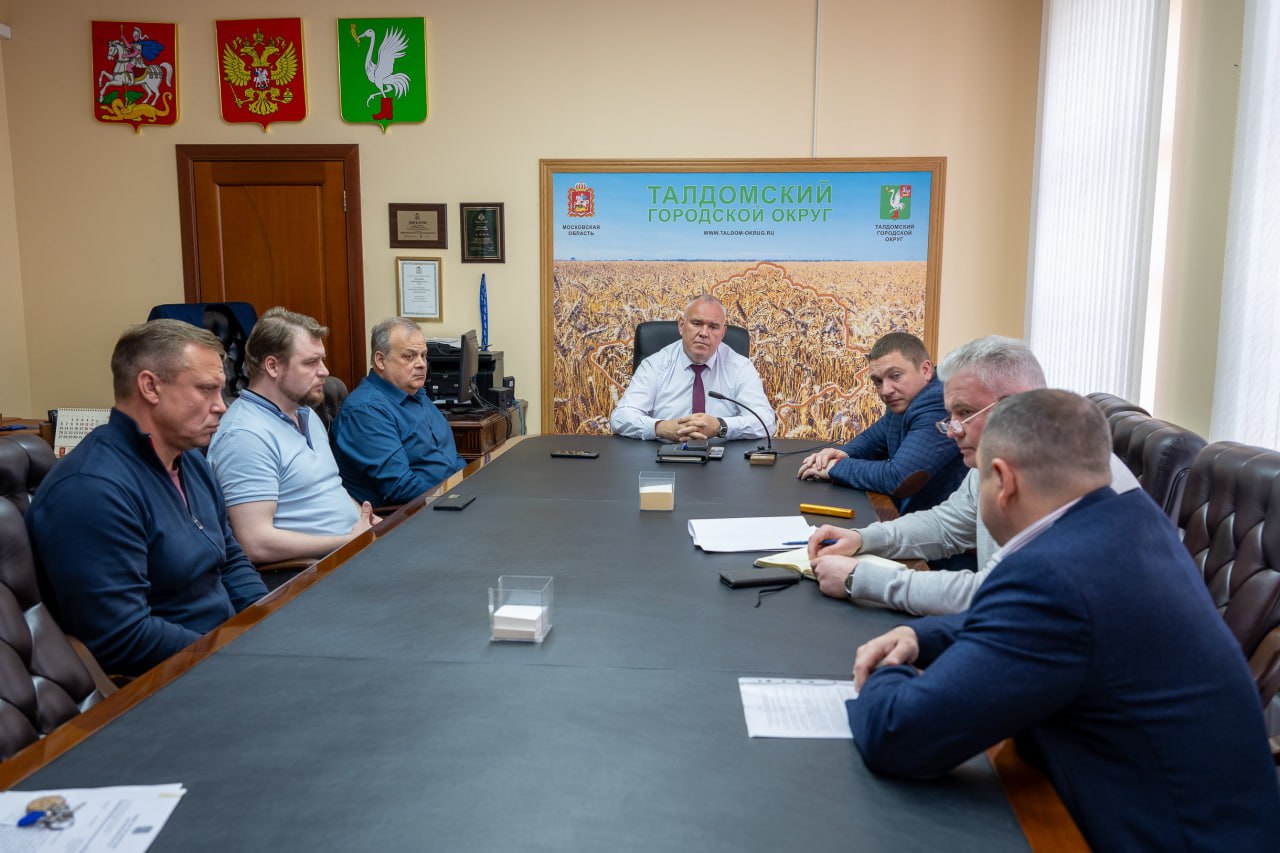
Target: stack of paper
(773,533)
(798,561)
(796,707)
(518,622)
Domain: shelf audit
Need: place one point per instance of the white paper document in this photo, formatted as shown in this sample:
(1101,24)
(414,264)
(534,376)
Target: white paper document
(123,819)
(796,707)
(771,533)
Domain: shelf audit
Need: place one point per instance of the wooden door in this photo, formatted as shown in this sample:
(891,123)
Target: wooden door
(278,225)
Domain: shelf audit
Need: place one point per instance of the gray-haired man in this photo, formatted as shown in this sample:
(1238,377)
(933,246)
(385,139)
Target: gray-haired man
(977,376)
(391,442)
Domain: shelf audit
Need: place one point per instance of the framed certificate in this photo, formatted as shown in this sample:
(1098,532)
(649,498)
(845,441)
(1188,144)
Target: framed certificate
(418,281)
(418,226)
(483,232)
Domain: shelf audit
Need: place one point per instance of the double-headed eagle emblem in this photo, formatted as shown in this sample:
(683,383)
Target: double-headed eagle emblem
(264,68)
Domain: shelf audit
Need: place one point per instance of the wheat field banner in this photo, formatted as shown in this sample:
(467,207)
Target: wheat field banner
(382,70)
(815,258)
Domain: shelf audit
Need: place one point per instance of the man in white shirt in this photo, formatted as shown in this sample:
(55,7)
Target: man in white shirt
(669,397)
(271,453)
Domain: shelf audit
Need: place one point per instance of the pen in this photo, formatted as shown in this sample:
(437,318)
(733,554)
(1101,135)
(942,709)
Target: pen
(806,542)
(9,427)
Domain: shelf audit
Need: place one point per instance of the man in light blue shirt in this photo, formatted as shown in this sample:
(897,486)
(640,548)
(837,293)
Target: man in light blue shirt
(271,453)
(391,442)
(669,396)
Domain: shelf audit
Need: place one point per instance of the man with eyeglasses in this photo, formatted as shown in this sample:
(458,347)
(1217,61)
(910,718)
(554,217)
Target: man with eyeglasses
(976,377)
(903,442)
(391,442)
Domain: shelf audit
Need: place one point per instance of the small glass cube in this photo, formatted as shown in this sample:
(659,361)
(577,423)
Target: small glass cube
(520,609)
(657,491)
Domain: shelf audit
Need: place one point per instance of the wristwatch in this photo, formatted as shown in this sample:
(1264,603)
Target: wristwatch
(724,428)
(848,582)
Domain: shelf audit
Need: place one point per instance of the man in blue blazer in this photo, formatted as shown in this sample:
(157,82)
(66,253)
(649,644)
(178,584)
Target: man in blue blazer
(1094,638)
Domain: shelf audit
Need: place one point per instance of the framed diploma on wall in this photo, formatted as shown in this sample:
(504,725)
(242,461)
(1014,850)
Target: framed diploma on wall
(418,226)
(418,287)
(484,230)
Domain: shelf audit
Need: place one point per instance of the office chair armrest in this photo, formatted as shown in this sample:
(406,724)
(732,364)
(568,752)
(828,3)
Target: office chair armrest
(106,686)
(911,484)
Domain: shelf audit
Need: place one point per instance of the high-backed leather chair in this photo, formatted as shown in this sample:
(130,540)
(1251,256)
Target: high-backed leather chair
(335,391)
(653,335)
(43,682)
(24,461)
(1158,453)
(1230,514)
(1111,404)
(230,323)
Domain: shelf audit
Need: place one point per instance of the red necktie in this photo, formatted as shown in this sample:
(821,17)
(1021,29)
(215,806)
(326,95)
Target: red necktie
(699,393)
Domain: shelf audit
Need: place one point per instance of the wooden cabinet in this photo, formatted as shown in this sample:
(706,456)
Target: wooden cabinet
(476,433)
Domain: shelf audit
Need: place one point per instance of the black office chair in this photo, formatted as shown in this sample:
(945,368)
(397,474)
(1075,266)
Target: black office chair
(1159,454)
(653,335)
(335,391)
(230,323)
(1230,515)
(1113,405)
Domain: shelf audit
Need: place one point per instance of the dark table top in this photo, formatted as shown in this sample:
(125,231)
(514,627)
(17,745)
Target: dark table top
(373,713)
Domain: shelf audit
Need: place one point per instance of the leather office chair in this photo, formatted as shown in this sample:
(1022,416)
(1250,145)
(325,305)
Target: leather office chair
(335,391)
(1230,515)
(1158,453)
(653,335)
(44,679)
(24,462)
(1111,404)
(230,323)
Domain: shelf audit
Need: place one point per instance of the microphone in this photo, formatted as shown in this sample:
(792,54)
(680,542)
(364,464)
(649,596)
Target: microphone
(764,455)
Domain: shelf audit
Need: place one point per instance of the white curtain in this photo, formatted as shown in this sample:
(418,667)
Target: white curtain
(1101,79)
(1246,394)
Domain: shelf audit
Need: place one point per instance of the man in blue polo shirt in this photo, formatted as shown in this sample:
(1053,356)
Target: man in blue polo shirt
(391,442)
(271,453)
(902,442)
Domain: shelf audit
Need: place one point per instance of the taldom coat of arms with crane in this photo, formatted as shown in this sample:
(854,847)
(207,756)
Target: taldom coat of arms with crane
(382,69)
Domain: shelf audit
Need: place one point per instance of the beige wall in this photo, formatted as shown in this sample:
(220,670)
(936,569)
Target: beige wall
(512,82)
(1204,135)
(15,385)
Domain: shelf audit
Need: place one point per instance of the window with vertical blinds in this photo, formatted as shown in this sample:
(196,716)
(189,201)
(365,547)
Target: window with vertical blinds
(1246,394)
(1101,87)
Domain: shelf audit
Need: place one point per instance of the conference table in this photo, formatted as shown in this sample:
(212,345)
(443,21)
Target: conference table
(367,709)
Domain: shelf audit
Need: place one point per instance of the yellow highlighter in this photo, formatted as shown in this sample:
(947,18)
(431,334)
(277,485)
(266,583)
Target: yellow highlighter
(819,509)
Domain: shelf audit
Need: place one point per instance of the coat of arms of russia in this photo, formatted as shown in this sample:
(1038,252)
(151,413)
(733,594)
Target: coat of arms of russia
(260,64)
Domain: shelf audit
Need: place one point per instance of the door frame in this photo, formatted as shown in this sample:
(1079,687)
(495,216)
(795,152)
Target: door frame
(349,154)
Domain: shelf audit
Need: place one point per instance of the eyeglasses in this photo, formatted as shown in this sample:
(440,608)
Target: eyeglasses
(947,426)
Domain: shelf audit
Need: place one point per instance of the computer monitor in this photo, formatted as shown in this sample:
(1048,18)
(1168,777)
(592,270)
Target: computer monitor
(468,366)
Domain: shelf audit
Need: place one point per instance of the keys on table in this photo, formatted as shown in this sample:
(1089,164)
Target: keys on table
(50,812)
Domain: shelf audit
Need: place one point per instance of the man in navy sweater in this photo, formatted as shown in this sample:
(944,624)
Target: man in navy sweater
(1095,640)
(135,555)
(904,440)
